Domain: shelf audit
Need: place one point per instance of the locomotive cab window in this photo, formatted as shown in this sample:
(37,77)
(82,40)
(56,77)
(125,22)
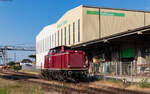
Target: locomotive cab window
(67,48)
(57,50)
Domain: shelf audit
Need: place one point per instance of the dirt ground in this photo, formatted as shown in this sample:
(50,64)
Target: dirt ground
(19,87)
(103,83)
(22,86)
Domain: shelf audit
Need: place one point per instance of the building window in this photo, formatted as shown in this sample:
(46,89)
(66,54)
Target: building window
(43,46)
(58,38)
(74,32)
(79,30)
(46,43)
(55,39)
(69,34)
(61,37)
(50,41)
(65,36)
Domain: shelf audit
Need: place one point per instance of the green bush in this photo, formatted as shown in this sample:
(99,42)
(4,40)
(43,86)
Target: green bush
(144,83)
(14,66)
(4,91)
(11,63)
(64,87)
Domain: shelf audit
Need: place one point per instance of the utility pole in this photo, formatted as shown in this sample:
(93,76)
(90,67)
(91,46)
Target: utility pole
(4,49)
(132,71)
(15,57)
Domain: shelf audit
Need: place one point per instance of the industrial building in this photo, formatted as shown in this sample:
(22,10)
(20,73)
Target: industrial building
(45,40)
(118,36)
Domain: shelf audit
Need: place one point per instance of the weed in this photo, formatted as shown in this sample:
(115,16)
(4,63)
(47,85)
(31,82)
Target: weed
(64,87)
(4,91)
(115,80)
(144,83)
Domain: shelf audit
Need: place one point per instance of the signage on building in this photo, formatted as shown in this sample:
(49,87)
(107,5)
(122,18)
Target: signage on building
(105,13)
(127,53)
(62,23)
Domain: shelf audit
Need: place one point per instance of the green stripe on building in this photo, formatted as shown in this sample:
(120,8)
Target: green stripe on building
(106,13)
(62,23)
(93,12)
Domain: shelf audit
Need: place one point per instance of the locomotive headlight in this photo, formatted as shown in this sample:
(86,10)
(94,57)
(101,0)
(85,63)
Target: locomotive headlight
(69,65)
(76,51)
(69,72)
(84,65)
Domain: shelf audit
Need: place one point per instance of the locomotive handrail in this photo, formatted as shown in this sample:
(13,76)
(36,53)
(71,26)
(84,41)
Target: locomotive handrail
(59,54)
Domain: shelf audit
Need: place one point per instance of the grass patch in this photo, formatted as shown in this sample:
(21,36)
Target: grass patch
(115,80)
(4,91)
(19,87)
(144,83)
(64,87)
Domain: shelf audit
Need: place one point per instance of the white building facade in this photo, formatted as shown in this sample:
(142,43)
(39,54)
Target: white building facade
(45,40)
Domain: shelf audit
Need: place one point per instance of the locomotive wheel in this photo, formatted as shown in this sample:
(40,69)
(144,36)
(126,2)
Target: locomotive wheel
(65,76)
(53,76)
(60,76)
(42,75)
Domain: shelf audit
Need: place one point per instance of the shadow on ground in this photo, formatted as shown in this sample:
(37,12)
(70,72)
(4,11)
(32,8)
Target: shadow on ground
(17,76)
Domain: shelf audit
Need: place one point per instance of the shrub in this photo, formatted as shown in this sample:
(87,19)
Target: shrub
(11,63)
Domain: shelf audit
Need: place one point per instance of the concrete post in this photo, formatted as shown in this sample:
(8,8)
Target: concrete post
(120,62)
(116,70)
(131,72)
(120,68)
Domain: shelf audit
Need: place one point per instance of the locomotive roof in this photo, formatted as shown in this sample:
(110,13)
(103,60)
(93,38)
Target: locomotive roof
(61,46)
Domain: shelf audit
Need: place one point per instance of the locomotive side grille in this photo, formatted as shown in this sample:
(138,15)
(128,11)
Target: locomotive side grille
(75,60)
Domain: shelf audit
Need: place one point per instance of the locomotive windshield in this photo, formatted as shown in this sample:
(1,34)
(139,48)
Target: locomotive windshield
(57,50)
(67,48)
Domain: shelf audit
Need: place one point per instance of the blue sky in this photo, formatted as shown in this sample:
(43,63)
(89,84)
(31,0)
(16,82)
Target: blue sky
(22,20)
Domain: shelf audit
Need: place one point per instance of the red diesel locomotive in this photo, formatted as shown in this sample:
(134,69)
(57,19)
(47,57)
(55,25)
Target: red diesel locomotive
(63,63)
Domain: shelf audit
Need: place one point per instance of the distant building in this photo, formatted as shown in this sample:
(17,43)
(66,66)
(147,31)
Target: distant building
(26,62)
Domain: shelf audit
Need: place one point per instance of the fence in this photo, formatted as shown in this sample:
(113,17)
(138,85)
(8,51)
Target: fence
(30,68)
(130,71)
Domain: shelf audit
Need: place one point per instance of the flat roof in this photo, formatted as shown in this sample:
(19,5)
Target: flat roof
(116,8)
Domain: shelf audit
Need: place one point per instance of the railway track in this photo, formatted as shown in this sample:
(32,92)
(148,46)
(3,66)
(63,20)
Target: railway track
(65,87)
